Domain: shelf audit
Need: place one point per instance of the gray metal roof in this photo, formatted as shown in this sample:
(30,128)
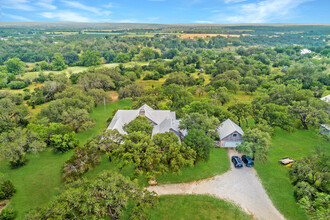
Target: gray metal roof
(326,98)
(326,126)
(163,120)
(228,127)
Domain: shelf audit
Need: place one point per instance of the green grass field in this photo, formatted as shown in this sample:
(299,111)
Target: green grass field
(275,177)
(100,115)
(36,183)
(78,69)
(217,164)
(193,207)
(39,181)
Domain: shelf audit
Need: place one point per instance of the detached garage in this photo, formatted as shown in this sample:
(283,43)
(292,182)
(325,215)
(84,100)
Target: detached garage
(230,134)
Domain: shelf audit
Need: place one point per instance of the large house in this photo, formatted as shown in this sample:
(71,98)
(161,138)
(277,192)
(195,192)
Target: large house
(230,134)
(324,129)
(162,120)
(326,98)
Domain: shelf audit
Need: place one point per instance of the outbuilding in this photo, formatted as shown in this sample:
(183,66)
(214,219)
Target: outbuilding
(230,134)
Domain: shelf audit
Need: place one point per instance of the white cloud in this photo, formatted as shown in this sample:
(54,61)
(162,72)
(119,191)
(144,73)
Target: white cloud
(65,16)
(15,17)
(47,4)
(17,4)
(80,6)
(262,11)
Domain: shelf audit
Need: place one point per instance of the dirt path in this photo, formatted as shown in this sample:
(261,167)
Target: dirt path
(239,186)
(114,96)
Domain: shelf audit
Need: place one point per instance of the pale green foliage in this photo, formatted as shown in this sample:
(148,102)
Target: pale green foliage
(202,122)
(107,141)
(147,54)
(256,144)
(221,95)
(11,114)
(82,160)
(241,110)
(77,119)
(96,81)
(64,142)
(200,142)
(58,62)
(178,96)
(90,58)
(15,66)
(310,175)
(131,90)
(15,144)
(155,156)
(140,124)
(309,116)
(105,197)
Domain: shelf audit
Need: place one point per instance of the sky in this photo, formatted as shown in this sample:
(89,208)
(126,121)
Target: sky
(166,11)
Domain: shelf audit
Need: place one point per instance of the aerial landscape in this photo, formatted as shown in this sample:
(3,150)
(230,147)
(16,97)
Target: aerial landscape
(161,109)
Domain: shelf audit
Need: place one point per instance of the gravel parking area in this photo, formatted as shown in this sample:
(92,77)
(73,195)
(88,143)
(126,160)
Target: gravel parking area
(241,187)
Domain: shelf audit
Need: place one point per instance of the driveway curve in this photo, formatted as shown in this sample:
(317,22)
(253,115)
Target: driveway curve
(241,187)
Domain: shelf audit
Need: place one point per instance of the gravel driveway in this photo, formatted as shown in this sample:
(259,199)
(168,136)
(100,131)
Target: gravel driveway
(239,186)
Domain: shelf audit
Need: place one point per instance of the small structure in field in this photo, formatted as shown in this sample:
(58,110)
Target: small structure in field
(305,51)
(162,120)
(230,134)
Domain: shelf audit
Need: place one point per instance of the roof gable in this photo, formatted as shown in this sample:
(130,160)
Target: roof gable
(326,98)
(228,127)
(162,120)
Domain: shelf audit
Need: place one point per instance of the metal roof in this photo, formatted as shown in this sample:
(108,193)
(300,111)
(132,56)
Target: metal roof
(326,98)
(228,127)
(163,120)
(326,126)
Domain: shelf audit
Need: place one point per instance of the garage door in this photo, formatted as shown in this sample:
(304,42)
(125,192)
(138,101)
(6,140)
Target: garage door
(231,144)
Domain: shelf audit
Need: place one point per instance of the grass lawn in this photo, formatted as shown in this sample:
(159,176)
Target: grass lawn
(100,116)
(217,164)
(275,177)
(37,182)
(195,207)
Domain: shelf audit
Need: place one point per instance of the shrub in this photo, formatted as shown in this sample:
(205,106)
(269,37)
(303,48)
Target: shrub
(3,85)
(17,85)
(151,76)
(7,190)
(7,214)
(81,161)
(64,142)
(139,124)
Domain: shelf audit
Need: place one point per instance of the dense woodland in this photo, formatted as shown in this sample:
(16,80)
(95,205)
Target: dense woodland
(262,82)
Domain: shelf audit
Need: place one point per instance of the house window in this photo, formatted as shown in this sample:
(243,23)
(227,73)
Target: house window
(234,135)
